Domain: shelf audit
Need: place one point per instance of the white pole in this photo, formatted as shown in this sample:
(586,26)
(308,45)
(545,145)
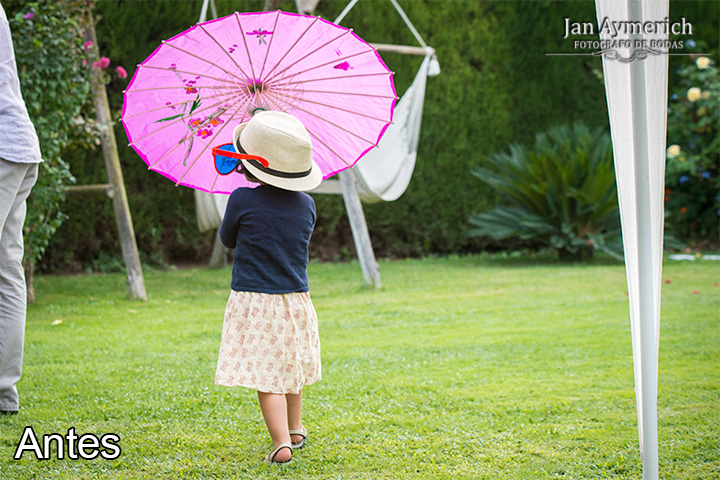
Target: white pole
(409,23)
(643,201)
(356,216)
(358,225)
(637,102)
(344,12)
(203,12)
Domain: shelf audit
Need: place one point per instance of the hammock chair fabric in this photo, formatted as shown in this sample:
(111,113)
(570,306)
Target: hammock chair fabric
(384,173)
(210,209)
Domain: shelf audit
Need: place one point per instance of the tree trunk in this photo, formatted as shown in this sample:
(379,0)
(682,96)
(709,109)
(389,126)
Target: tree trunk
(29,274)
(272,5)
(306,7)
(111,157)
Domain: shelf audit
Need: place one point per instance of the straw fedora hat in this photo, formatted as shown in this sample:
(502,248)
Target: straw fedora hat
(284,143)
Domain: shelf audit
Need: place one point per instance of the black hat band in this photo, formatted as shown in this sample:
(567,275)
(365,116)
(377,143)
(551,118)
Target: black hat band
(278,173)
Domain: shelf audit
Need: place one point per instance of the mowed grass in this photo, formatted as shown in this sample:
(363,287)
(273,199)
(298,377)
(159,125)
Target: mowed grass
(458,368)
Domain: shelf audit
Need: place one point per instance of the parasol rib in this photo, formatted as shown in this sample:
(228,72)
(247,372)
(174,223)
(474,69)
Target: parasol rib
(188,96)
(321,141)
(292,46)
(197,74)
(267,51)
(171,105)
(150,167)
(175,87)
(170,123)
(340,78)
(275,88)
(181,142)
(247,50)
(242,119)
(320,66)
(192,55)
(224,50)
(328,147)
(305,100)
(180,118)
(371,142)
(212,187)
(211,87)
(203,151)
(304,57)
(269,93)
(349,93)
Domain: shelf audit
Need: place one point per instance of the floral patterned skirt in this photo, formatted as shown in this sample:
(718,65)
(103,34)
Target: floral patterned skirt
(269,342)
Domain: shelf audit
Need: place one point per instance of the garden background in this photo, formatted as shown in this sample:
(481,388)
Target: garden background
(497,88)
(545,395)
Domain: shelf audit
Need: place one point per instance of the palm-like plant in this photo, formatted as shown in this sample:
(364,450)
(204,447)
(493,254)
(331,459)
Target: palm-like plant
(562,193)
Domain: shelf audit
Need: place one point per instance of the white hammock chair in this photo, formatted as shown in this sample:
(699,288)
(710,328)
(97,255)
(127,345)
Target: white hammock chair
(384,173)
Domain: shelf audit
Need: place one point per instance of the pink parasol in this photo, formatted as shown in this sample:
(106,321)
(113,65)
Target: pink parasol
(191,92)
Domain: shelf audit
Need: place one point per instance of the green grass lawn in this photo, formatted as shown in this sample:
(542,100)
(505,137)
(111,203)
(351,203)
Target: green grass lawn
(459,368)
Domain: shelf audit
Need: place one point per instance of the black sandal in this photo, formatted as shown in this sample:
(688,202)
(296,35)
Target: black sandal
(270,459)
(302,433)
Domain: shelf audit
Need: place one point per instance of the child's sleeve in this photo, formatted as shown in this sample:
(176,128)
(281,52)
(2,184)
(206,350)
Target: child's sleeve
(231,219)
(313,212)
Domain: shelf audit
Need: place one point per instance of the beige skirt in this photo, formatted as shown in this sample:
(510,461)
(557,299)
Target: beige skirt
(269,342)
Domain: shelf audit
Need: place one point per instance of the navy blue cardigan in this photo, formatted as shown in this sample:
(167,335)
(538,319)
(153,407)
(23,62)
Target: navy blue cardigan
(269,229)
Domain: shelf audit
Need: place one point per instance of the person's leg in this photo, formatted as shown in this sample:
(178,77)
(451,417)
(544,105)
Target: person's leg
(294,414)
(16,181)
(274,410)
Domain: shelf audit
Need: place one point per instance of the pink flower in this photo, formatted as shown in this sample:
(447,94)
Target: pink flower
(88,45)
(29,16)
(121,72)
(103,63)
(204,133)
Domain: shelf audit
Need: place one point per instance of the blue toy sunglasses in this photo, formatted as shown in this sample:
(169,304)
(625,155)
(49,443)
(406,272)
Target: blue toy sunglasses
(227,159)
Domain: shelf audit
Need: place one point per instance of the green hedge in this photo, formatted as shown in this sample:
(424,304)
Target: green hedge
(497,87)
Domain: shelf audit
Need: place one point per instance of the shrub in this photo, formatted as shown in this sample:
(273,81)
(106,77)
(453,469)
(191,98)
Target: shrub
(691,179)
(47,37)
(561,193)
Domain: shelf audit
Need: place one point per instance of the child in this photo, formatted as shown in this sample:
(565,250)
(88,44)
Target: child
(270,332)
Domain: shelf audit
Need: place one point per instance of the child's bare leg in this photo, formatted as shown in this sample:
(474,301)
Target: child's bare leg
(274,409)
(294,412)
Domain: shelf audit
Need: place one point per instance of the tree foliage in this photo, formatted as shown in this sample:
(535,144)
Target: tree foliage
(497,87)
(692,180)
(47,37)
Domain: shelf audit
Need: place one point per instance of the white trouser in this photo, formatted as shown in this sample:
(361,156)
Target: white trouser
(16,181)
